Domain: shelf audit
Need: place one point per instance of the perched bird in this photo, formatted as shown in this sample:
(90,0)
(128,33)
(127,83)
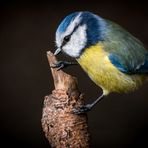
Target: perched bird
(113,58)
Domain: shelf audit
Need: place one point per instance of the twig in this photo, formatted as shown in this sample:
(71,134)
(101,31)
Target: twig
(62,128)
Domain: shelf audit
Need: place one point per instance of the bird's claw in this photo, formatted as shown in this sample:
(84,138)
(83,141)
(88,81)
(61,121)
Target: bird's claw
(82,110)
(62,64)
(59,65)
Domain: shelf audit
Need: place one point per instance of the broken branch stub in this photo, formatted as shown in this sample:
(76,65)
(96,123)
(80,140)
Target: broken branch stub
(62,128)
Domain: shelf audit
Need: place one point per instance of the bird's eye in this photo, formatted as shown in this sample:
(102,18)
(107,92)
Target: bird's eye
(66,38)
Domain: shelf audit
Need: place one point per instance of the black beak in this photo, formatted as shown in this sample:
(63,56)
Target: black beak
(58,50)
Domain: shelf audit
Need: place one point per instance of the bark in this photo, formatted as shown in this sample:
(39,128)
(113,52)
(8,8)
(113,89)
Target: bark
(62,128)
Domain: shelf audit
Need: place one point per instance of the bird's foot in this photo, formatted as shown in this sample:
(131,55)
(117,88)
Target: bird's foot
(82,110)
(62,64)
(59,65)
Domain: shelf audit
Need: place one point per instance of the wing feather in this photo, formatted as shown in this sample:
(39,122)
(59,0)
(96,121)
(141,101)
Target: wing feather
(126,52)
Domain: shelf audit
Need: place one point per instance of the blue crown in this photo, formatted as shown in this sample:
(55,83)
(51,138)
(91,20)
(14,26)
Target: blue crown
(95,26)
(65,23)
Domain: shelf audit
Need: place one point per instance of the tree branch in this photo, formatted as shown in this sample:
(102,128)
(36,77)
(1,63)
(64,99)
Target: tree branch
(62,128)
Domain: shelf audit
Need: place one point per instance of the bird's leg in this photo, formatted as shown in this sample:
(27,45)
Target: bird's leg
(62,64)
(87,107)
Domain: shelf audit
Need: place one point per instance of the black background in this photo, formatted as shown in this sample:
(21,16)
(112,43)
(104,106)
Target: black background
(27,31)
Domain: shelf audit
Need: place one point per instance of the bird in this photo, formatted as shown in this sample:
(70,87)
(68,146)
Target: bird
(113,58)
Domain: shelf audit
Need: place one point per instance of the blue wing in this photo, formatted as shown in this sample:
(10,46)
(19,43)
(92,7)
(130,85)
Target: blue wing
(127,67)
(126,52)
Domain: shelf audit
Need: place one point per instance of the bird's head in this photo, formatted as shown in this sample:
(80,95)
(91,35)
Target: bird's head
(79,31)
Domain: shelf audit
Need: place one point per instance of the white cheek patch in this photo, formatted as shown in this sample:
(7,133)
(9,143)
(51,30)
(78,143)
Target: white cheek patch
(77,42)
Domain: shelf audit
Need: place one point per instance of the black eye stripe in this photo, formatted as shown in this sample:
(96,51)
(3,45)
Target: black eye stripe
(74,29)
(69,36)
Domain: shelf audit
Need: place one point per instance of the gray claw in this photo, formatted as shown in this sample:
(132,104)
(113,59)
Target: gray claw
(82,110)
(62,64)
(58,65)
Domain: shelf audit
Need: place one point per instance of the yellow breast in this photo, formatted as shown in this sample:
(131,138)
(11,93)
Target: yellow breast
(97,65)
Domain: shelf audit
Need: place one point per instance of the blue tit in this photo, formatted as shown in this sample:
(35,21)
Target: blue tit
(113,58)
